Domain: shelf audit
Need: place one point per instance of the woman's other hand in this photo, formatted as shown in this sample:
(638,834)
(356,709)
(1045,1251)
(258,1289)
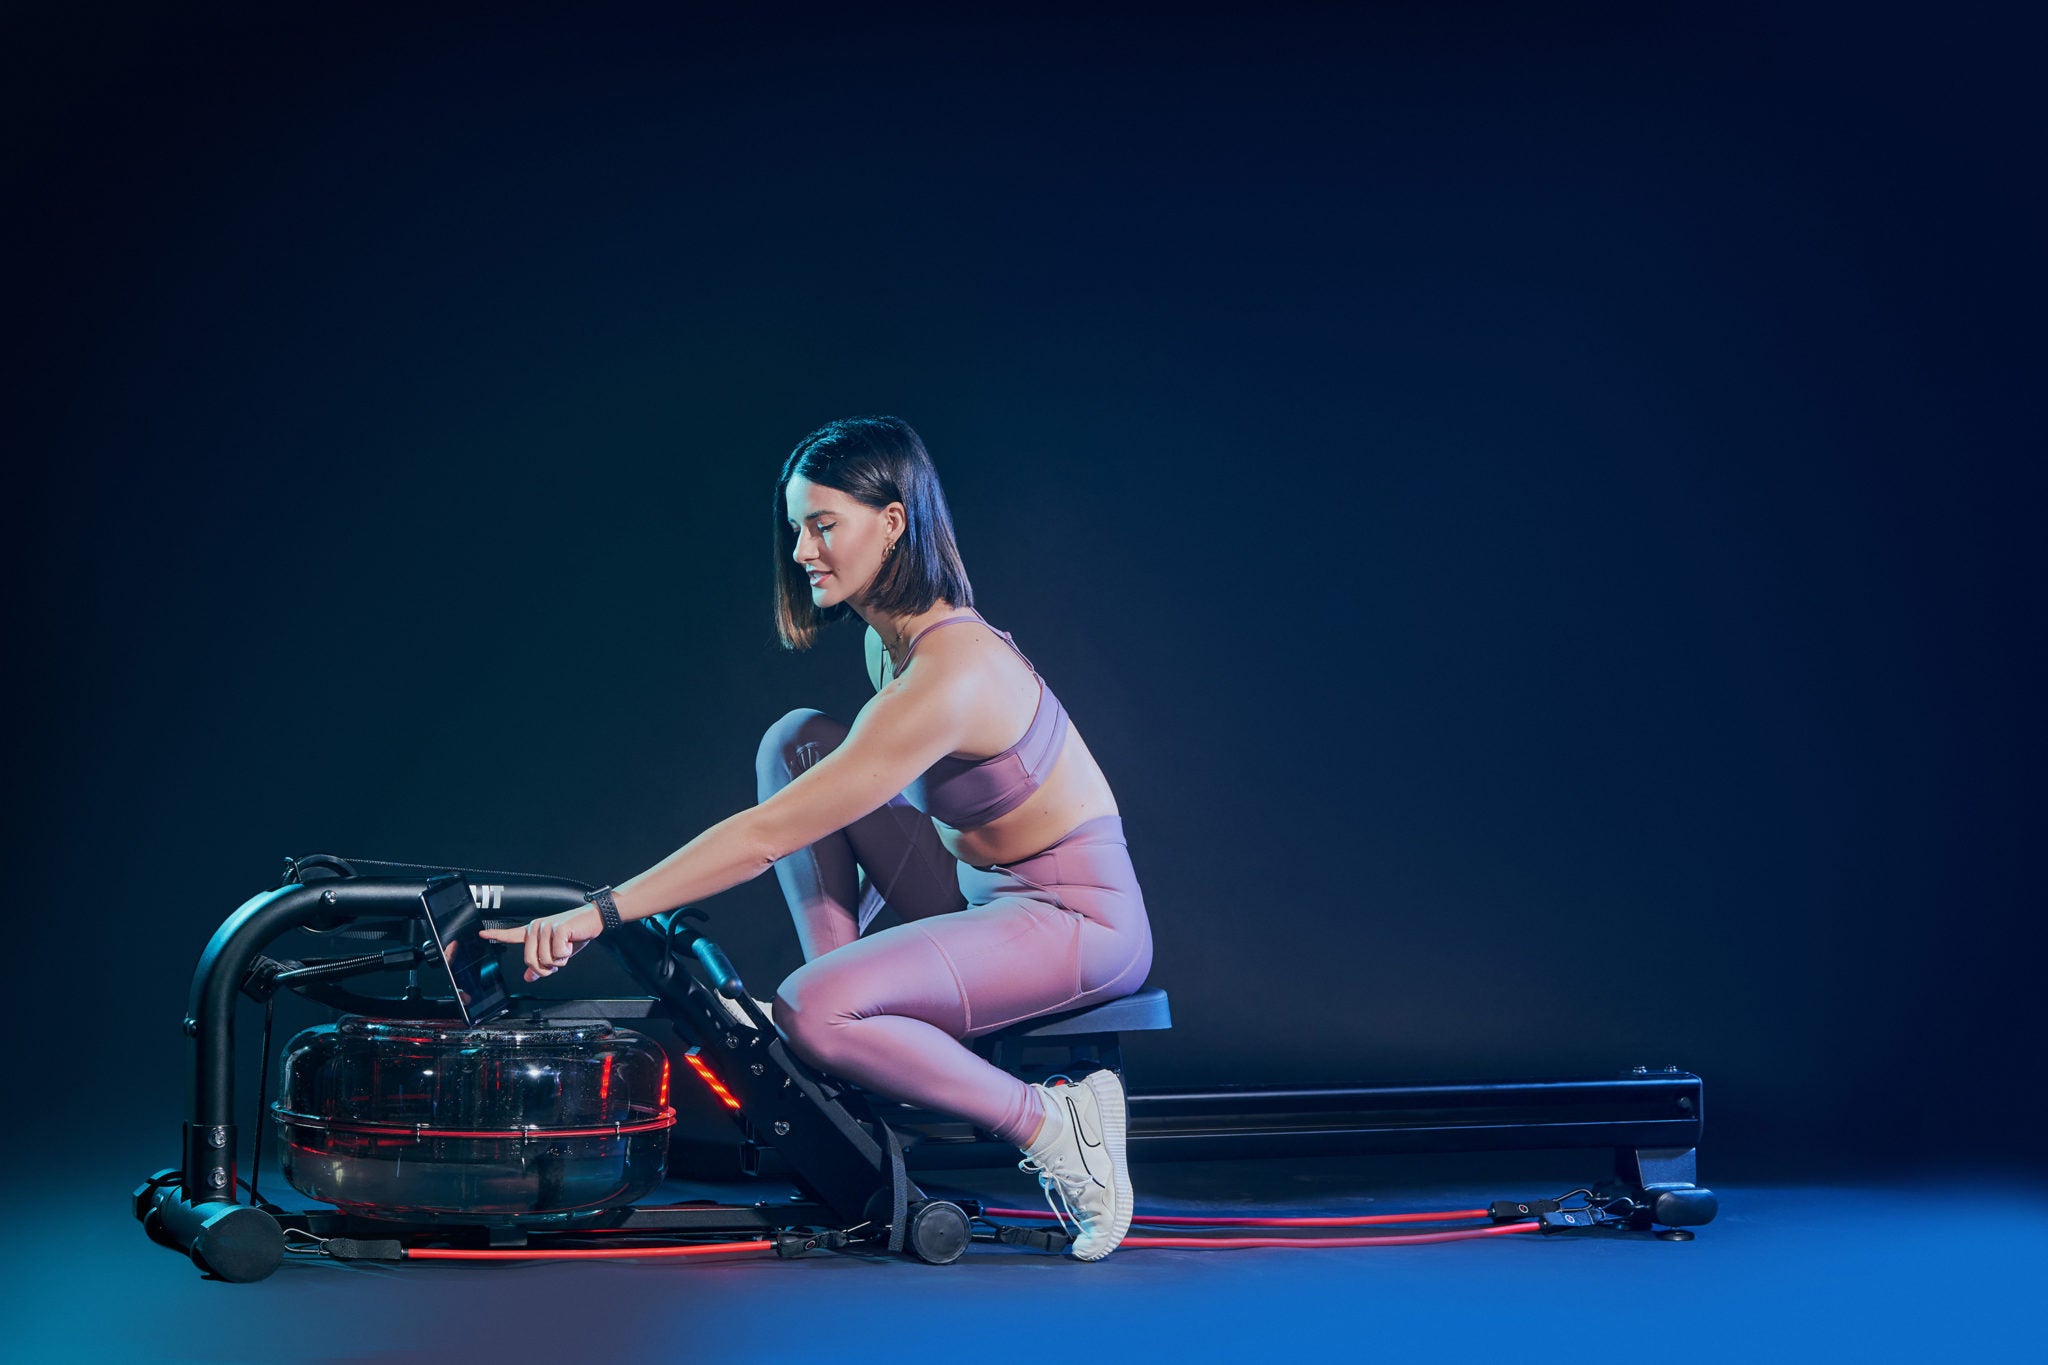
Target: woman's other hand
(552,940)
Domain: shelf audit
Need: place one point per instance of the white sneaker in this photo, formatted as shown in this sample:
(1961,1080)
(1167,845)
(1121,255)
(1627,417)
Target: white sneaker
(1081,1159)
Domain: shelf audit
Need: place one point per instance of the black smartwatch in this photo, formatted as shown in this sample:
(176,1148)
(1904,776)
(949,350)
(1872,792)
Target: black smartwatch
(607,908)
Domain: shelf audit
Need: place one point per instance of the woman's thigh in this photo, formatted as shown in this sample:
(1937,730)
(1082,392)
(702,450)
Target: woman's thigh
(966,973)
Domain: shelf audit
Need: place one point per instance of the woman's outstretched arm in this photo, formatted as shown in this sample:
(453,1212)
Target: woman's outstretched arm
(904,729)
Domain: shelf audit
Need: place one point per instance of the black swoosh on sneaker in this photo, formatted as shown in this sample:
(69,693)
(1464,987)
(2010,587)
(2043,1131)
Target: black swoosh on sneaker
(1080,1129)
(1081,1135)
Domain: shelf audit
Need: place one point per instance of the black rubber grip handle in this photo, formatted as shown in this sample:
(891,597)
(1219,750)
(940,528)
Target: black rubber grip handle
(720,966)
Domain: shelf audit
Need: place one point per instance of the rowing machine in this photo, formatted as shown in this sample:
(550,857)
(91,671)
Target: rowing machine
(545,1125)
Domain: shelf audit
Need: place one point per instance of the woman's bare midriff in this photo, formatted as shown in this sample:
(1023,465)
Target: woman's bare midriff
(1074,791)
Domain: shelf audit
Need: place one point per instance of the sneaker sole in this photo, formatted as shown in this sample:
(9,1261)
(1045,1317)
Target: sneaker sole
(1112,1110)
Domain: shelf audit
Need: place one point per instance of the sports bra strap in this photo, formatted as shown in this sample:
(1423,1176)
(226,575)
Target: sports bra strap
(953,620)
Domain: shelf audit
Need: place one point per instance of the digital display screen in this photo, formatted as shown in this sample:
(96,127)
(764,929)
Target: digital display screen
(471,962)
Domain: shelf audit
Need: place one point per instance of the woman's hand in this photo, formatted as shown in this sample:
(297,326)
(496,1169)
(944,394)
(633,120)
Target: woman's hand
(552,940)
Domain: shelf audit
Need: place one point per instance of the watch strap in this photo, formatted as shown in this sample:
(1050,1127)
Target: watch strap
(607,908)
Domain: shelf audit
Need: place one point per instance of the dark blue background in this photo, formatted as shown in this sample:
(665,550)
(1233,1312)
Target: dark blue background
(1536,515)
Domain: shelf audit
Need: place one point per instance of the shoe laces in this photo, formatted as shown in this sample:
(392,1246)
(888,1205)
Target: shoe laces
(1049,1185)
(1057,1178)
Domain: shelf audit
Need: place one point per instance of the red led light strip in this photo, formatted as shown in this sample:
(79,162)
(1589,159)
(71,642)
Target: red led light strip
(717,1086)
(1351,1221)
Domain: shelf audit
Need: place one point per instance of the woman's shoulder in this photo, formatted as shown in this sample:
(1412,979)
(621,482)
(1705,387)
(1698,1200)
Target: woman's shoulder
(964,647)
(976,650)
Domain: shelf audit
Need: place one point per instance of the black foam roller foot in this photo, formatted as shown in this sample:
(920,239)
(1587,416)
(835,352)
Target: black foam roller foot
(239,1244)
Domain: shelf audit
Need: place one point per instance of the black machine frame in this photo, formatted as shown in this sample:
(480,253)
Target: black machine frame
(848,1153)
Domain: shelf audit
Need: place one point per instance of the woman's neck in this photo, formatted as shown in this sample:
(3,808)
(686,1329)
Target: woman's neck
(898,631)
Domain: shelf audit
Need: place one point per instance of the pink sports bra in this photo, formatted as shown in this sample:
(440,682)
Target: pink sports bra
(967,792)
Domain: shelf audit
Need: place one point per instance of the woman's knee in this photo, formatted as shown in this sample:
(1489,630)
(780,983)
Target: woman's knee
(810,1016)
(796,741)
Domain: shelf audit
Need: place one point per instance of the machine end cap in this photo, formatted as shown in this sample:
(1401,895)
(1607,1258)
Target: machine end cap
(239,1244)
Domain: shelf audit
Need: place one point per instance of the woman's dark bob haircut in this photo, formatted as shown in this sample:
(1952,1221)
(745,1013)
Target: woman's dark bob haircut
(875,461)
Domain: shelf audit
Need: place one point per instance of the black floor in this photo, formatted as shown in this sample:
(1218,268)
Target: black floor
(1873,1271)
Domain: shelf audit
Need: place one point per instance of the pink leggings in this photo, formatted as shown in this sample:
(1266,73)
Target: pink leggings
(980,948)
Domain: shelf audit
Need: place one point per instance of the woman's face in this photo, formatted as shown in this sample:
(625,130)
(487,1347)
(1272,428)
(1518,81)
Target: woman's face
(839,542)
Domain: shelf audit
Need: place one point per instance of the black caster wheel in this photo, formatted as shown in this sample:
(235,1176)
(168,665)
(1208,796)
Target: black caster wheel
(938,1232)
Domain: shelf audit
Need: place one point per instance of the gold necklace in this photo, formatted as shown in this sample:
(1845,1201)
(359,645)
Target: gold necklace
(895,667)
(895,653)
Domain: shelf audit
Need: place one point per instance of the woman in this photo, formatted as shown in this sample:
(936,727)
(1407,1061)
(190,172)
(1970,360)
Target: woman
(972,805)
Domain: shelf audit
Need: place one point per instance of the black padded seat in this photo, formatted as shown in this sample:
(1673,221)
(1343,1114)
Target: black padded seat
(1053,1043)
(1072,1044)
(1143,1009)
(1050,1043)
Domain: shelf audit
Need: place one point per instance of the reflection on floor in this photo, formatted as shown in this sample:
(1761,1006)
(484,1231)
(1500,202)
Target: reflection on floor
(1876,1271)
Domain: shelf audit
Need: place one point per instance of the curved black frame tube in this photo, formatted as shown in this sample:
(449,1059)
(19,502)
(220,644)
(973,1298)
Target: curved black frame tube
(209,1139)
